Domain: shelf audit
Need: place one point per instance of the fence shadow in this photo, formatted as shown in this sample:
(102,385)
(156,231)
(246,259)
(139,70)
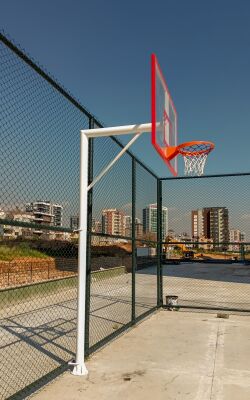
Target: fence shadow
(234,273)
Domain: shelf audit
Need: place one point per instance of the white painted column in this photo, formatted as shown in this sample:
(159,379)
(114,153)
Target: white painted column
(79,365)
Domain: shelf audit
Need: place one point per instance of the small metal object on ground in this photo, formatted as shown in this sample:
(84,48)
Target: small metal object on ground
(222,315)
(172,302)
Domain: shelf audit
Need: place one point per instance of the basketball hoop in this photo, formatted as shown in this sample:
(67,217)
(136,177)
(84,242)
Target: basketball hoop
(195,156)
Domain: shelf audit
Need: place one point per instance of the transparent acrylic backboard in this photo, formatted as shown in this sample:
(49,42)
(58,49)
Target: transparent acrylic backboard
(163,117)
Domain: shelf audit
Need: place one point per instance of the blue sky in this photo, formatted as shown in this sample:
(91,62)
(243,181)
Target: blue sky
(100,51)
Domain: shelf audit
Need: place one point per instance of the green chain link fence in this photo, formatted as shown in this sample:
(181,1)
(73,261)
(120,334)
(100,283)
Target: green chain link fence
(134,257)
(208,270)
(39,215)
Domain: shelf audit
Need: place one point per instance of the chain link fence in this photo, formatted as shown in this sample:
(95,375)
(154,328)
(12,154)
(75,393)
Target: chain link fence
(205,256)
(117,287)
(148,238)
(39,218)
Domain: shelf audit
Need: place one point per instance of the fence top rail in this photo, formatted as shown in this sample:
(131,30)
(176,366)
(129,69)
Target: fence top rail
(209,243)
(205,176)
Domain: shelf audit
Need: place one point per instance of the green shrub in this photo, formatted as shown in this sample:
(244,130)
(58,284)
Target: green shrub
(20,251)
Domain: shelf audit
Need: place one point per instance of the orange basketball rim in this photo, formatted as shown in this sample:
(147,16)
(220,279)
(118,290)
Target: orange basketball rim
(194,155)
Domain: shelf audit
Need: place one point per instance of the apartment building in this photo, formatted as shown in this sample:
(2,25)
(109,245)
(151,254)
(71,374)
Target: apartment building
(45,213)
(149,215)
(113,222)
(211,223)
(96,226)
(236,237)
(74,222)
(128,225)
(12,231)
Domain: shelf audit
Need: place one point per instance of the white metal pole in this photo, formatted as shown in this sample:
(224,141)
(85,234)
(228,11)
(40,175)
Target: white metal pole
(118,130)
(79,365)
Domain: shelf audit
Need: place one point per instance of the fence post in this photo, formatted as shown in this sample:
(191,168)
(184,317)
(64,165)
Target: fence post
(159,244)
(133,238)
(79,363)
(242,252)
(89,229)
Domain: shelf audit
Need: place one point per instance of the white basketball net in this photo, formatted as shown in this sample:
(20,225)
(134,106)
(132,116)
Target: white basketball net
(195,156)
(194,164)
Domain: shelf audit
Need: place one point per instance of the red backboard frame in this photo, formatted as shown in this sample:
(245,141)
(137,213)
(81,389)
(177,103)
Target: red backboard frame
(166,150)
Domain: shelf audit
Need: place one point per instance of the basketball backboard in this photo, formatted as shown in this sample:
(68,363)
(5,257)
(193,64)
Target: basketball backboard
(163,118)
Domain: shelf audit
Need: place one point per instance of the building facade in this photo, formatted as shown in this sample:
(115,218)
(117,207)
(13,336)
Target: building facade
(138,228)
(45,213)
(96,226)
(236,237)
(74,222)
(219,227)
(211,223)
(128,225)
(197,224)
(12,231)
(113,222)
(149,215)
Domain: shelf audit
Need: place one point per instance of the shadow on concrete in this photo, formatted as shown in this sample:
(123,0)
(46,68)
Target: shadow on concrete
(223,272)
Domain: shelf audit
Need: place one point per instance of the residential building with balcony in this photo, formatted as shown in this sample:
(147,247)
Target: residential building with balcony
(211,223)
(45,213)
(12,231)
(113,222)
(236,237)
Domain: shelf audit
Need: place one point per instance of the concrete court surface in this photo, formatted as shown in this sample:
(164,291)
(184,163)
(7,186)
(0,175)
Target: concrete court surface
(170,356)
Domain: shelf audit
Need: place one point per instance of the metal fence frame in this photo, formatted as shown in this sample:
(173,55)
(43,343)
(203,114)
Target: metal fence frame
(93,121)
(242,246)
(134,320)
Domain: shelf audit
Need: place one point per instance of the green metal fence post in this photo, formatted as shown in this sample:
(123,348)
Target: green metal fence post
(159,244)
(133,238)
(242,252)
(88,272)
